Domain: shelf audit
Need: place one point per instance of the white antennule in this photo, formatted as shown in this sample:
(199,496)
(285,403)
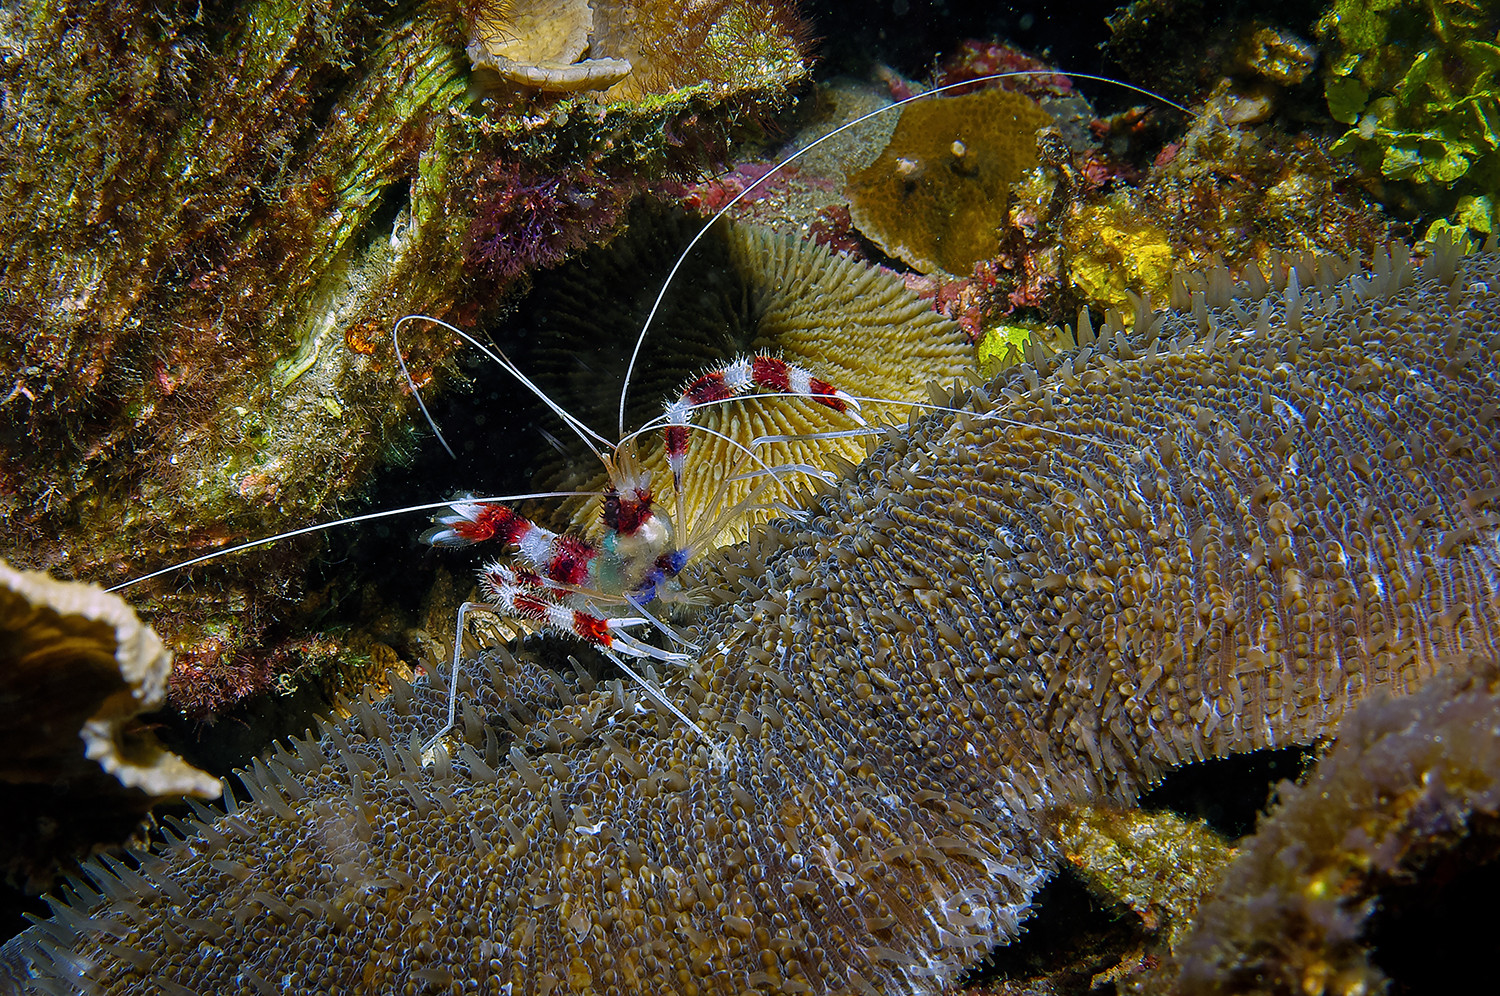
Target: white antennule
(702,231)
(336,523)
(588,436)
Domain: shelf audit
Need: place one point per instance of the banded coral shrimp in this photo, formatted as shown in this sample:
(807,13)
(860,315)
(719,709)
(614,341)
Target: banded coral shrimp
(537,599)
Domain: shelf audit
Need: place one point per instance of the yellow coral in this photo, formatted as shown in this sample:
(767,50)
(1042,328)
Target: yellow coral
(938,195)
(857,326)
(1114,250)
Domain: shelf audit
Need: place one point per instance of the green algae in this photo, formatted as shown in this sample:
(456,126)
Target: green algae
(1416,81)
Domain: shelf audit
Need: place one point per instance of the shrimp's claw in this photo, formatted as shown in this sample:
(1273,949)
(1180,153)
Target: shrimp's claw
(466,522)
(736,378)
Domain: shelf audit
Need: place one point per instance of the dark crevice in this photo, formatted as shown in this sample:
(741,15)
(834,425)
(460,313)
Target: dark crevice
(1228,793)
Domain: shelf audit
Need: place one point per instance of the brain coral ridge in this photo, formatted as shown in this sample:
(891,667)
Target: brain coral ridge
(1106,564)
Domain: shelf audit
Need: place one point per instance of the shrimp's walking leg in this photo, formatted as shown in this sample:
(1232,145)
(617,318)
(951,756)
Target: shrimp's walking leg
(458,651)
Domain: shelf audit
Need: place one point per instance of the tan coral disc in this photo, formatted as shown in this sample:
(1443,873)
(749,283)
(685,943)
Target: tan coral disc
(539,43)
(939,193)
(77,771)
(78,664)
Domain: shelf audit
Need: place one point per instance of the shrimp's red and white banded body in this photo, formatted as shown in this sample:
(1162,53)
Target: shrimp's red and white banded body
(568,585)
(567,577)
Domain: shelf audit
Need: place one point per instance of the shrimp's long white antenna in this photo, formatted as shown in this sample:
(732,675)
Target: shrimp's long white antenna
(366,517)
(682,257)
(405,373)
(583,431)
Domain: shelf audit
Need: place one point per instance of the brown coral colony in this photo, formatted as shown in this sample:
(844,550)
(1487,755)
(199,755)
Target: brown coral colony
(937,196)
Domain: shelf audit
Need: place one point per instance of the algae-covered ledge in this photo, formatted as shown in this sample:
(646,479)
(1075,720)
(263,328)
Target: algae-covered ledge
(214,220)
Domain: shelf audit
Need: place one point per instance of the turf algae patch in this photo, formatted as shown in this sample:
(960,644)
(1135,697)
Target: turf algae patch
(1217,535)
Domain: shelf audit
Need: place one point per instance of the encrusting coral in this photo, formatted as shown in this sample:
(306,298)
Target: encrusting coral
(746,290)
(1216,535)
(940,191)
(76,668)
(1410,792)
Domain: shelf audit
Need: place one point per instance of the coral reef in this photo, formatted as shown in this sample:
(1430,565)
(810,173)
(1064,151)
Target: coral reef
(1218,534)
(1417,83)
(639,48)
(1115,250)
(1407,801)
(974,58)
(177,296)
(214,219)
(940,191)
(1118,203)
(76,669)
(1184,49)
(745,291)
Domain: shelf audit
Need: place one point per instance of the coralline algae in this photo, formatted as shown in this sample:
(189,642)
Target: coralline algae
(1212,537)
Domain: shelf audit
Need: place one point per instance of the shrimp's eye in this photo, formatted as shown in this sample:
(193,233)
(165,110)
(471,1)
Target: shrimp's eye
(625,513)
